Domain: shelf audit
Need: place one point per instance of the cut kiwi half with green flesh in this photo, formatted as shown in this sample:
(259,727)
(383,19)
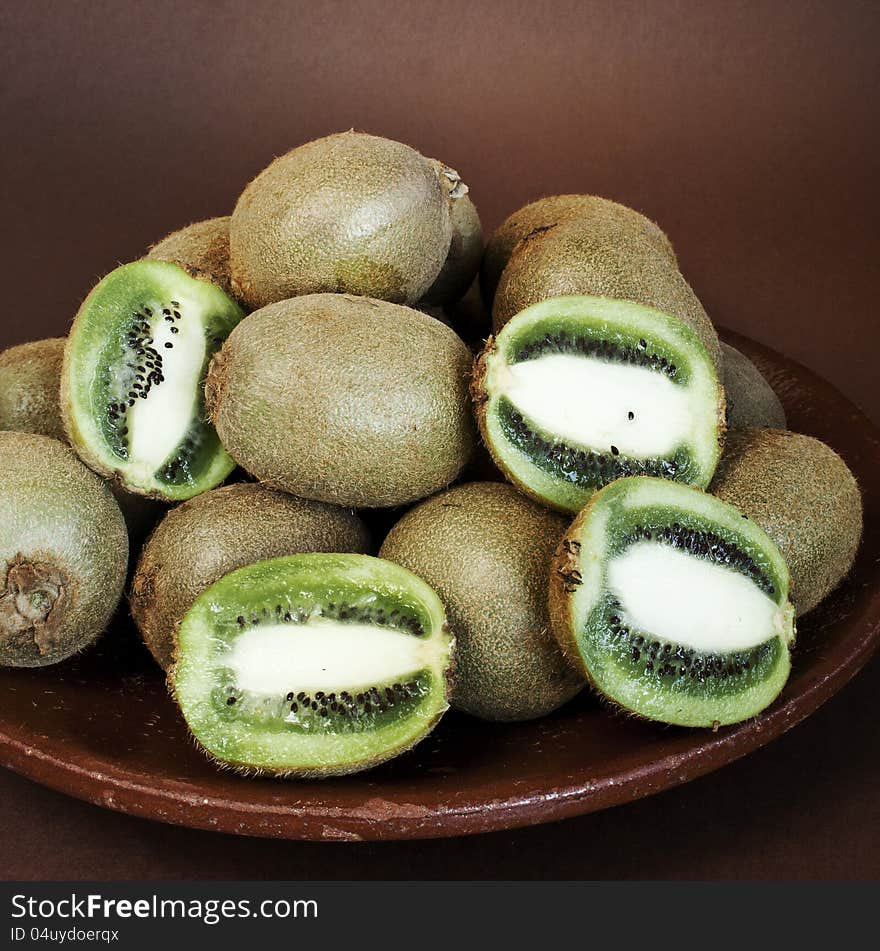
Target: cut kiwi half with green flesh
(313,665)
(576,392)
(132,386)
(673,603)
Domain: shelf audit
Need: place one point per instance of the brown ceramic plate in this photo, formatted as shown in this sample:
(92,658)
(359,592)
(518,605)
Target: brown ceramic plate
(102,727)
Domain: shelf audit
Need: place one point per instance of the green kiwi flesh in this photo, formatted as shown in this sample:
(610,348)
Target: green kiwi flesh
(200,541)
(63,552)
(674,604)
(30,376)
(750,398)
(485,549)
(575,392)
(312,665)
(132,382)
(804,497)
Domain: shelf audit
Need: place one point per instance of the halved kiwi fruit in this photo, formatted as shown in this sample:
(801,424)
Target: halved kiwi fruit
(312,665)
(673,603)
(576,392)
(132,385)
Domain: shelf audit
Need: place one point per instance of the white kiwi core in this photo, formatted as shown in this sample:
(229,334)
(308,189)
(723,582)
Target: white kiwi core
(597,403)
(689,601)
(157,424)
(323,654)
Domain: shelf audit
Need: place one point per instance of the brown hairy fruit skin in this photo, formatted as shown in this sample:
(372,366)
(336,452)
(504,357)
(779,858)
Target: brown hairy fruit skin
(30,380)
(568,259)
(201,249)
(204,539)
(545,213)
(349,213)
(463,259)
(486,550)
(346,400)
(63,552)
(804,497)
(750,398)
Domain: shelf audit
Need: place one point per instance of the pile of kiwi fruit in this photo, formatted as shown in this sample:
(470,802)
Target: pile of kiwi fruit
(351,467)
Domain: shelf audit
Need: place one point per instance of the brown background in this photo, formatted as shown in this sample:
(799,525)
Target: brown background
(748,130)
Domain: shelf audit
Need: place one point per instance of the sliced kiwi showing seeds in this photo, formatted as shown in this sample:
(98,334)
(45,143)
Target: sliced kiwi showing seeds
(576,392)
(132,385)
(312,665)
(673,603)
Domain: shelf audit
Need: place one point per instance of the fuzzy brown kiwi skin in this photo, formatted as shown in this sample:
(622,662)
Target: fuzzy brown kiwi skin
(217,532)
(803,495)
(285,242)
(485,549)
(30,378)
(63,552)
(565,578)
(568,259)
(427,436)
(751,400)
(546,213)
(463,258)
(201,249)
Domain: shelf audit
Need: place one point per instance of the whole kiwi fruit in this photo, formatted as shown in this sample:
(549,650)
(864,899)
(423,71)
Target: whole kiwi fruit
(351,213)
(751,400)
(463,258)
(345,400)
(805,498)
(30,379)
(63,552)
(485,549)
(217,532)
(201,249)
(545,213)
(601,262)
